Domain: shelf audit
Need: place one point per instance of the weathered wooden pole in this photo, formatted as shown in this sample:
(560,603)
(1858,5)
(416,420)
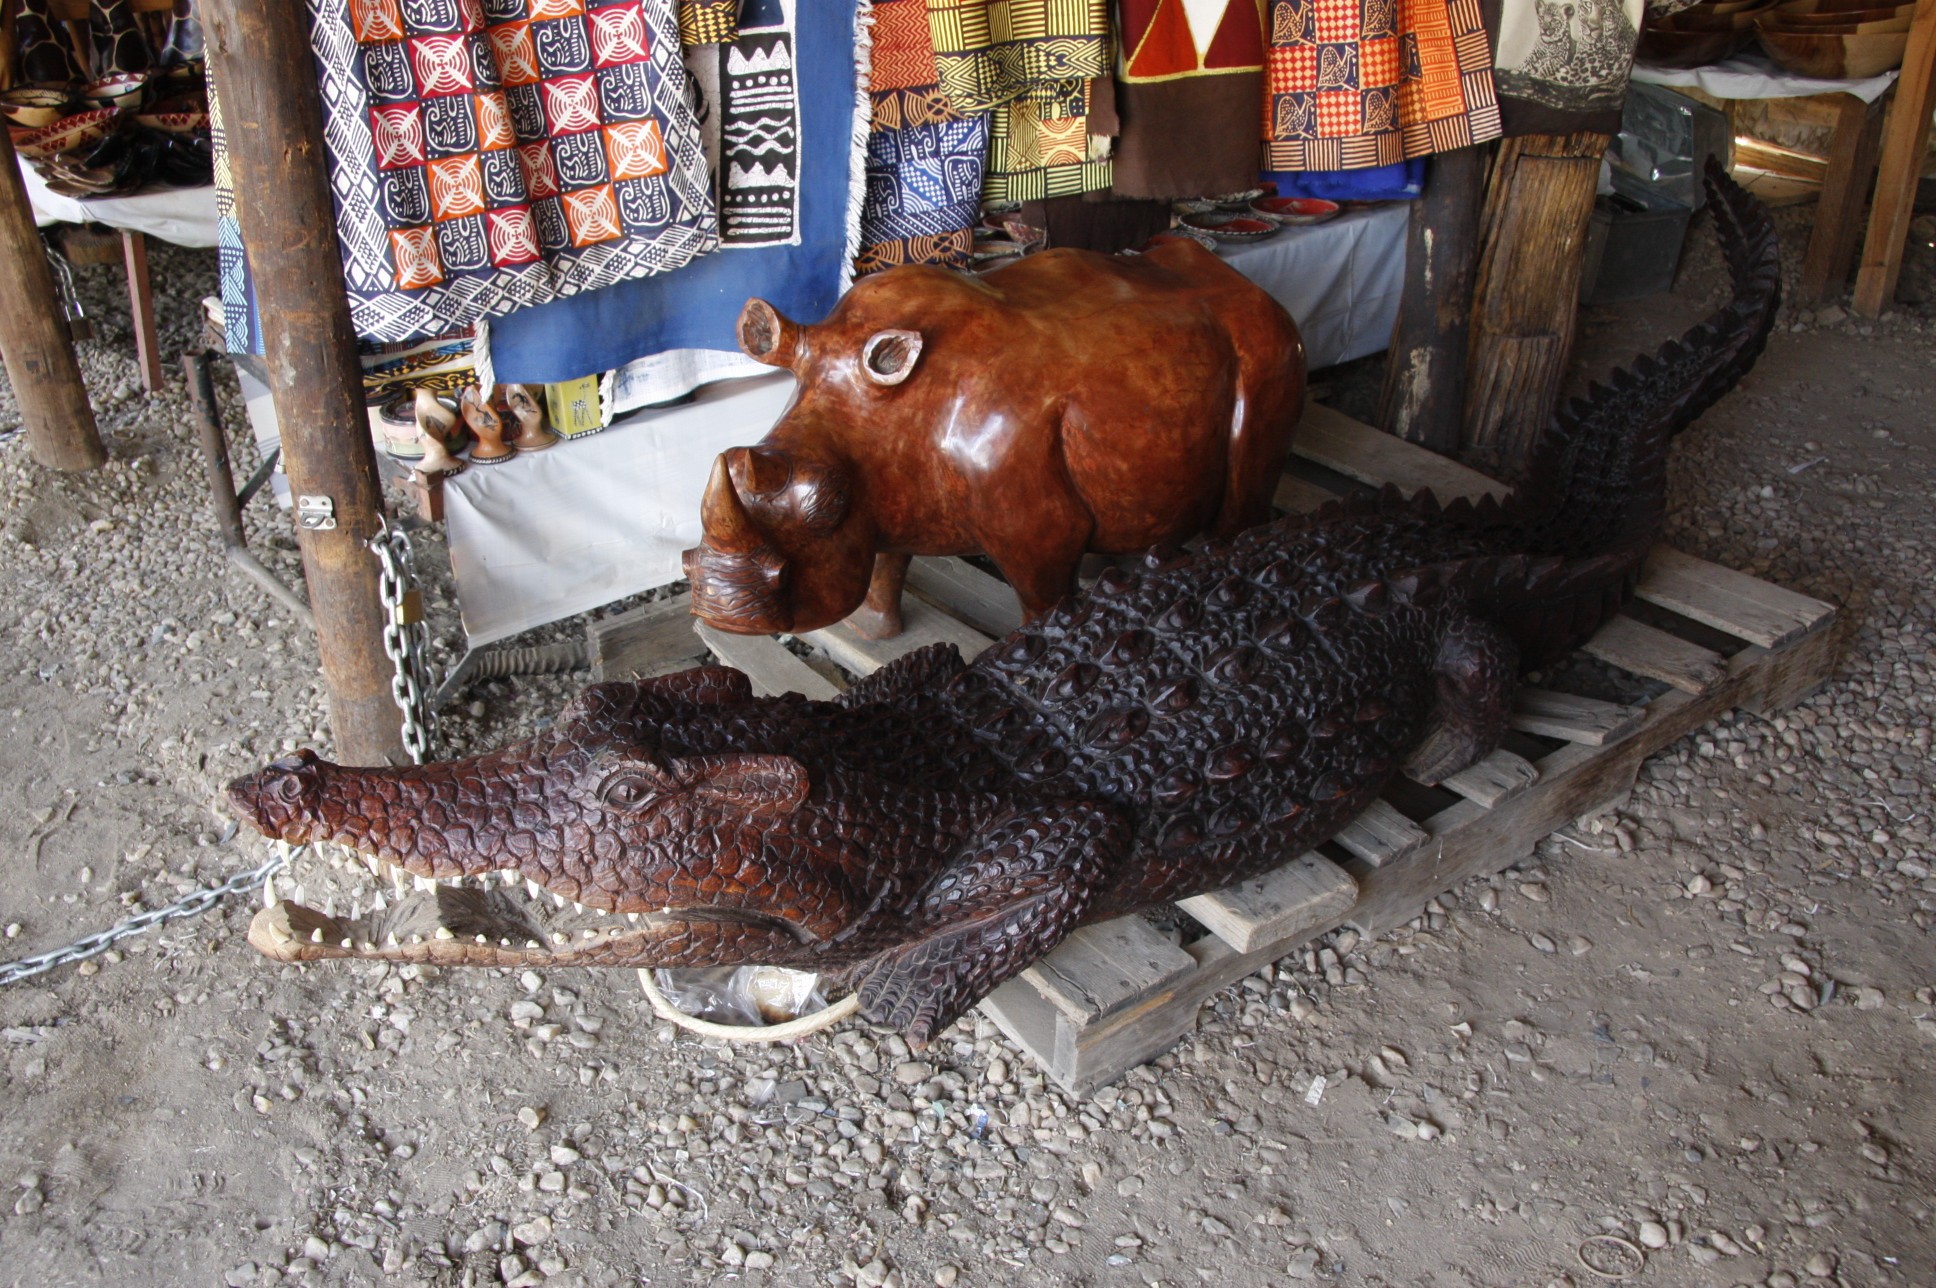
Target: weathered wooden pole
(1526,295)
(1905,146)
(34,339)
(259,56)
(1424,393)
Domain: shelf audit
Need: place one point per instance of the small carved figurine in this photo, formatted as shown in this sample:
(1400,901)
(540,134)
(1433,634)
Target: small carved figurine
(1070,402)
(488,426)
(939,827)
(529,413)
(440,433)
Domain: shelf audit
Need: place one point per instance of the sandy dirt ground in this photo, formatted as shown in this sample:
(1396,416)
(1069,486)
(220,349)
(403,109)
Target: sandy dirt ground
(1702,1025)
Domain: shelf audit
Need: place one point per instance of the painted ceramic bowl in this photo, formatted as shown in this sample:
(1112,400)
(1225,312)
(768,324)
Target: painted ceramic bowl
(1295,210)
(1233,227)
(1204,240)
(123,91)
(69,134)
(1235,200)
(173,122)
(33,107)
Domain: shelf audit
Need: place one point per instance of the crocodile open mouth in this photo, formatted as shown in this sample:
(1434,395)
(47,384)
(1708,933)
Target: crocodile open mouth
(499,919)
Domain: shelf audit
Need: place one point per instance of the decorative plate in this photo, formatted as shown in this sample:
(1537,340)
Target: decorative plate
(1233,227)
(1295,210)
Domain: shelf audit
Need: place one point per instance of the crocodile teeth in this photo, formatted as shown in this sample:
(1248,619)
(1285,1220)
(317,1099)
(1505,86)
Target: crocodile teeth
(577,907)
(424,885)
(396,882)
(316,935)
(533,889)
(445,932)
(346,944)
(391,940)
(509,878)
(269,896)
(560,937)
(379,903)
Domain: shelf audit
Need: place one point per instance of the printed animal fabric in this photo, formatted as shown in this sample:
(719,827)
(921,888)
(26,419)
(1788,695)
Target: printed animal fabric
(926,159)
(1356,83)
(487,155)
(1562,65)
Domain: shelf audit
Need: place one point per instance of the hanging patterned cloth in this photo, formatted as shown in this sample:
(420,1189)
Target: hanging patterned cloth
(1189,88)
(487,155)
(1029,65)
(1358,83)
(925,157)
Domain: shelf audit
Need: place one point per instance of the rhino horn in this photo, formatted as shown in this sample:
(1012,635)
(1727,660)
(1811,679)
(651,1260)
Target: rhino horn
(729,529)
(758,471)
(768,335)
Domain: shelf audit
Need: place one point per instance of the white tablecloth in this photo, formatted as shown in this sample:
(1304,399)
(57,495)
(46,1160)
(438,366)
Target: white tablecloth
(548,534)
(1753,76)
(184,216)
(1340,280)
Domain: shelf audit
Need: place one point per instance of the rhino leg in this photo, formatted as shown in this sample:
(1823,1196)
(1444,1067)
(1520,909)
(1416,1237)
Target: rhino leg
(879,616)
(1014,893)
(1477,665)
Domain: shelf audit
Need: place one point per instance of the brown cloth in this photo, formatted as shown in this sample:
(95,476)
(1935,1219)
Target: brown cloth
(1188,137)
(1096,221)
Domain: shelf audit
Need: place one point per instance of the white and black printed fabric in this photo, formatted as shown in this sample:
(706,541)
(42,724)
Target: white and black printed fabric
(488,155)
(753,147)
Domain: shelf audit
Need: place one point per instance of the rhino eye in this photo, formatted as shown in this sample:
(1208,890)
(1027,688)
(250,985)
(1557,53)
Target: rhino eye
(627,791)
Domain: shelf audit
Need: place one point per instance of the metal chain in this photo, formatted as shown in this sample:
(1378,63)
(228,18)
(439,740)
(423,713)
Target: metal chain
(193,904)
(406,640)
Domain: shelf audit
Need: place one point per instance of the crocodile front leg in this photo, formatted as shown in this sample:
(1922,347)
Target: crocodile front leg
(1477,664)
(1011,895)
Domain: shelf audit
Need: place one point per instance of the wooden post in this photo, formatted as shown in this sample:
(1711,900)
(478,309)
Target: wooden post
(1845,195)
(141,308)
(1424,392)
(1905,141)
(34,339)
(259,56)
(1525,302)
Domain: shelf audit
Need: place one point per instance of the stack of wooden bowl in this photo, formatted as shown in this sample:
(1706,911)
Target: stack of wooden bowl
(1836,39)
(1704,33)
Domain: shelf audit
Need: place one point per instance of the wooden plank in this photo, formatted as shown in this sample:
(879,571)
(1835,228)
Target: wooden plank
(1423,398)
(984,602)
(1845,191)
(1304,892)
(767,663)
(1352,448)
(1099,968)
(141,309)
(650,640)
(1905,143)
(1470,840)
(1727,600)
(1381,835)
(1575,719)
(1647,650)
(1297,496)
(1496,779)
(923,624)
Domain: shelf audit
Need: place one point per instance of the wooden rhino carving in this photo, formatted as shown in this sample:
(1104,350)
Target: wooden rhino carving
(1068,403)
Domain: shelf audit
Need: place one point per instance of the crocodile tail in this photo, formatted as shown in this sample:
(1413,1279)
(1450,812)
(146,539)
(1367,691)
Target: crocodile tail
(1595,493)
(1598,476)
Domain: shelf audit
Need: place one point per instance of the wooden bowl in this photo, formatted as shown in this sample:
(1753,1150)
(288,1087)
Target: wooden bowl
(1855,22)
(1835,57)
(1790,8)
(1662,45)
(69,134)
(34,107)
(1295,210)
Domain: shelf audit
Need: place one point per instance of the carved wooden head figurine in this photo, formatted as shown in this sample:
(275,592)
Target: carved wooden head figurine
(1069,402)
(488,426)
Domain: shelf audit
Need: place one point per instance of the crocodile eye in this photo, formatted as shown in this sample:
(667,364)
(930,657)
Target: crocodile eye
(627,791)
(290,788)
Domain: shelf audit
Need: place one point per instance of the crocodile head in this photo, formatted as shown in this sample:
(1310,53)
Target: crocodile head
(636,831)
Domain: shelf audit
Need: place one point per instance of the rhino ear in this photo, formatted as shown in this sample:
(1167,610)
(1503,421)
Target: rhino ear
(768,335)
(888,357)
(759,786)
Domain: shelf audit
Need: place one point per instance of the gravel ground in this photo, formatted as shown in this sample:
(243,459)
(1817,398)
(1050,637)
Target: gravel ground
(1701,1025)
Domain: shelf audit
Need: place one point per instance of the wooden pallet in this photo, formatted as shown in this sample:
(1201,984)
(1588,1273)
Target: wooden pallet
(1119,993)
